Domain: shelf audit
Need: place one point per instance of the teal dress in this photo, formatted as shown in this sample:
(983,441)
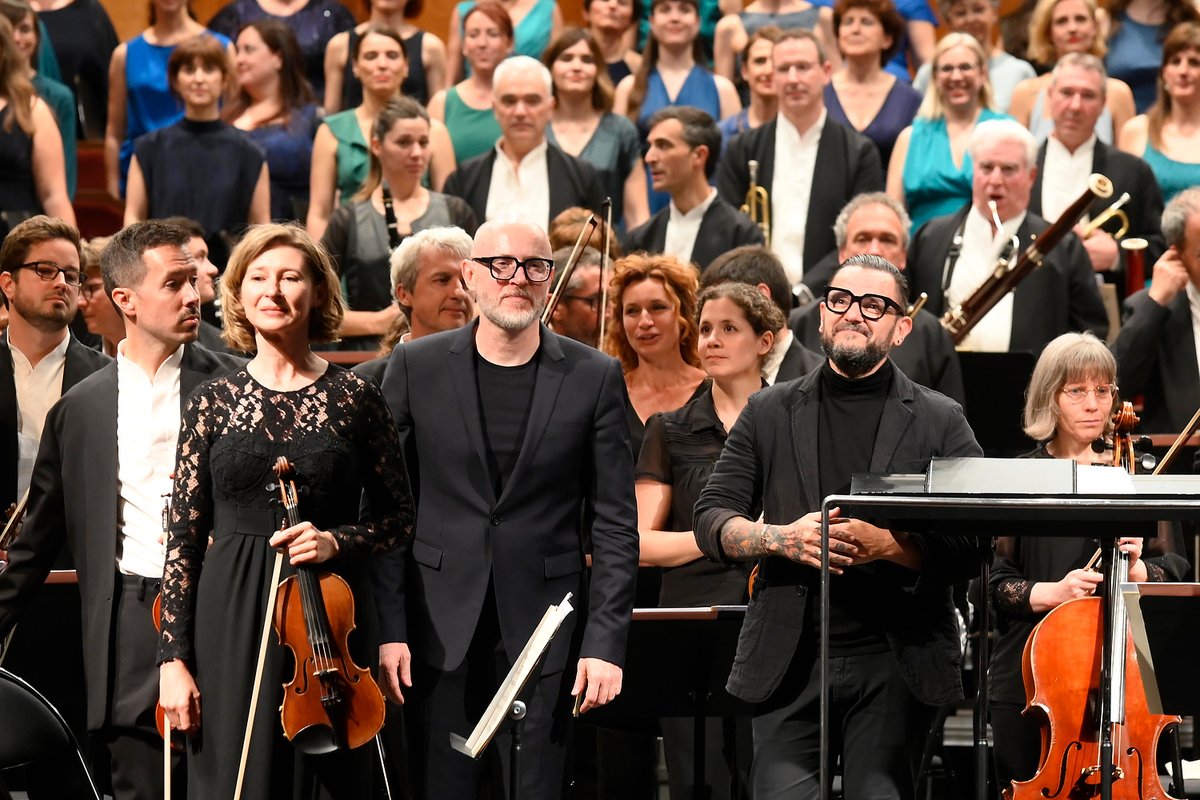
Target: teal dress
(933,186)
(62,102)
(473,131)
(531,36)
(1172,176)
(353,157)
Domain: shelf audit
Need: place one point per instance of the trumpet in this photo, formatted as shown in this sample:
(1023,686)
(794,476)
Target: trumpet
(758,203)
(1112,211)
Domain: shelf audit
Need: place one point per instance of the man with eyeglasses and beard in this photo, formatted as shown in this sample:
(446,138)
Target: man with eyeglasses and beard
(893,638)
(515,439)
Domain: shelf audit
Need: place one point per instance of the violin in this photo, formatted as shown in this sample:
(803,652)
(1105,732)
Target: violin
(1062,666)
(330,703)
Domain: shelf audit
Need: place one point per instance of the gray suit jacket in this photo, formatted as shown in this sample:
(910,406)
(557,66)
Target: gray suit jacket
(73,502)
(769,466)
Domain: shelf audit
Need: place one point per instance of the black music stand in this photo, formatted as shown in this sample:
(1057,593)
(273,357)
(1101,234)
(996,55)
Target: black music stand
(994,386)
(999,505)
(677,663)
(1164,618)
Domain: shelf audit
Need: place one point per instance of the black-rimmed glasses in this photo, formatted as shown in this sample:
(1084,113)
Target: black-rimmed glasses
(592,301)
(48,271)
(504,268)
(872,306)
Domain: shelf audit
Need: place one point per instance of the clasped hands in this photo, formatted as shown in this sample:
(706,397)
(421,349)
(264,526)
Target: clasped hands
(851,542)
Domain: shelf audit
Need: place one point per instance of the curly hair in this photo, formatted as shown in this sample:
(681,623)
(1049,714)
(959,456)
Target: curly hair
(680,282)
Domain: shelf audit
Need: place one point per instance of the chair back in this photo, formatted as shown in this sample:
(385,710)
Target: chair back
(34,730)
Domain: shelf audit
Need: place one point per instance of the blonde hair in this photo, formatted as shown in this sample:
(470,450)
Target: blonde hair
(931,105)
(1040,49)
(326,317)
(1070,357)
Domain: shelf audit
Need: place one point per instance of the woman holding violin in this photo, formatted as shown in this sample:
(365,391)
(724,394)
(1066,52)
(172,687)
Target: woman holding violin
(280,294)
(1068,408)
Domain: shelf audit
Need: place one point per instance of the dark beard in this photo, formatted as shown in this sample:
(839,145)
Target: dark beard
(47,321)
(854,362)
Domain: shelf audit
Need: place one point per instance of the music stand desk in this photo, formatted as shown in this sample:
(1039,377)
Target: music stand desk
(982,515)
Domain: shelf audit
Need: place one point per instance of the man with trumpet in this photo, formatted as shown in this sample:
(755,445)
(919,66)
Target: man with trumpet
(951,256)
(1072,152)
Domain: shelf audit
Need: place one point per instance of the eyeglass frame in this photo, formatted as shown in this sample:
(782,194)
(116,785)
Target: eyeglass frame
(888,303)
(489,262)
(1113,389)
(592,301)
(64,271)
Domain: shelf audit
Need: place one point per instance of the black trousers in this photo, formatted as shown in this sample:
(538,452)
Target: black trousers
(453,702)
(1017,743)
(877,727)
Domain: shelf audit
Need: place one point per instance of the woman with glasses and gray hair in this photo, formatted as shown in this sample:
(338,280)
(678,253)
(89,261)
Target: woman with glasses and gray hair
(1068,407)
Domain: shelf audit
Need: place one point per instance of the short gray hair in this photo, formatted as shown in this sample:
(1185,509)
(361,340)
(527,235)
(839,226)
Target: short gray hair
(1175,216)
(1070,357)
(1085,61)
(994,130)
(406,260)
(842,223)
(515,64)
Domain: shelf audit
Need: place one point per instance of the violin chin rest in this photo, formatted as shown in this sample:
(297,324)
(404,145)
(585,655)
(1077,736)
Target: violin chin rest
(315,740)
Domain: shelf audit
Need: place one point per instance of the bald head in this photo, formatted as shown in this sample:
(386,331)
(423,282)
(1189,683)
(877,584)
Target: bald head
(514,301)
(496,237)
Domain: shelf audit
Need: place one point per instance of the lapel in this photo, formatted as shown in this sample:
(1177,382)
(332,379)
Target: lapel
(805,418)
(766,156)
(714,229)
(478,193)
(562,194)
(194,369)
(894,423)
(74,368)
(828,181)
(551,370)
(1027,315)
(8,424)
(658,230)
(460,363)
(927,270)
(98,440)
(1183,372)
(1035,196)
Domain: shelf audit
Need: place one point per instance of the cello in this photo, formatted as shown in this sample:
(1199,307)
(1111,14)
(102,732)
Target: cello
(1063,670)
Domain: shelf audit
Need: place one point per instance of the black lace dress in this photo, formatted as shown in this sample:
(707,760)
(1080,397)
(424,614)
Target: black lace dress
(341,441)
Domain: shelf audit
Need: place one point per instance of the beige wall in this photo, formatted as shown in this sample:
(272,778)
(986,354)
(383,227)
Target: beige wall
(130,17)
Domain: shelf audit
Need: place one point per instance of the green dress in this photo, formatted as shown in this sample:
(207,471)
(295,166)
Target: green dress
(353,158)
(472,131)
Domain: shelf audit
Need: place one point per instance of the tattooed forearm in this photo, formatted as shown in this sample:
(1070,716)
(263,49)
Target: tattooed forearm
(742,539)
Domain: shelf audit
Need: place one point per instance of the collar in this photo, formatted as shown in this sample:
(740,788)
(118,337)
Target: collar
(539,151)
(1011,226)
(699,413)
(805,137)
(173,362)
(1193,296)
(59,353)
(696,213)
(1057,149)
(774,359)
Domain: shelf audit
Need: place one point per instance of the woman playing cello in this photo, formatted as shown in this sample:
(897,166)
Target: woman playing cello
(279,293)
(1068,406)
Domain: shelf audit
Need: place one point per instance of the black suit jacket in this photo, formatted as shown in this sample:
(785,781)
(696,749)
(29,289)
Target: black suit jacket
(1058,297)
(73,501)
(1128,173)
(722,228)
(847,165)
(573,182)
(798,361)
(528,542)
(81,362)
(1156,358)
(769,466)
(927,356)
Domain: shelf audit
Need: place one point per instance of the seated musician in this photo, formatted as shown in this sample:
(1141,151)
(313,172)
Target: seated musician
(1068,406)
(1156,348)
(951,256)
(1072,152)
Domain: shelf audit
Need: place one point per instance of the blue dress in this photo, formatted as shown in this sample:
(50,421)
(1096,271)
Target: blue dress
(1135,56)
(896,114)
(288,149)
(314,25)
(613,150)
(1172,176)
(699,90)
(933,186)
(149,104)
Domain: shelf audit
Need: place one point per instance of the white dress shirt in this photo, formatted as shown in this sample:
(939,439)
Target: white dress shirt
(38,388)
(1193,295)
(980,251)
(774,359)
(1064,175)
(147,429)
(682,228)
(791,187)
(523,190)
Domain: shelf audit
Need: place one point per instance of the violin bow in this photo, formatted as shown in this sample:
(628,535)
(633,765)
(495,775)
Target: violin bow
(585,235)
(604,260)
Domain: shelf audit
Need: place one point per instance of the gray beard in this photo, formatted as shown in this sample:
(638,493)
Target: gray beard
(854,362)
(511,320)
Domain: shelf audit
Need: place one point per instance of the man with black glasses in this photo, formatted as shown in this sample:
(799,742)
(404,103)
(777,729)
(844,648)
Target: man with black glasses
(515,437)
(893,639)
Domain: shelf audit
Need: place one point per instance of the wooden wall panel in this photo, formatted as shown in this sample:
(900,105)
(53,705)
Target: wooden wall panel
(130,17)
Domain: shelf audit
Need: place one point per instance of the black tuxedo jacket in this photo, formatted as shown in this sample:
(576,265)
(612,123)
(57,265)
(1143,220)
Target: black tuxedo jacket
(722,228)
(1156,358)
(527,542)
(1128,173)
(798,361)
(769,466)
(847,165)
(81,362)
(1058,297)
(927,356)
(573,182)
(73,501)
